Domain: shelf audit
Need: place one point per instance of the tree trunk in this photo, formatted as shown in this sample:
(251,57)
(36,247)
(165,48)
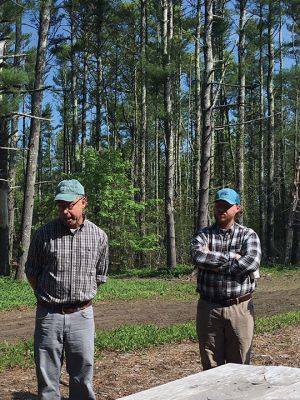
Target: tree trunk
(4,233)
(207,111)
(167,8)
(143,129)
(271,134)
(12,155)
(292,212)
(98,130)
(32,158)
(197,140)
(84,108)
(262,180)
(74,153)
(240,144)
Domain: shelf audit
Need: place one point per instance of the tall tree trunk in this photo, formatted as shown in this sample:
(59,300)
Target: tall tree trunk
(262,180)
(240,145)
(12,155)
(292,212)
(98,130)
(143,129)
(271,133)
(84,108)
(167,8)
(4,140)
(207,112)
(4,233)
(75,161)
(36,109)
(197,140)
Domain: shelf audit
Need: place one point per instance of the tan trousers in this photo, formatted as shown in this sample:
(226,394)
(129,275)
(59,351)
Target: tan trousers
(225,334)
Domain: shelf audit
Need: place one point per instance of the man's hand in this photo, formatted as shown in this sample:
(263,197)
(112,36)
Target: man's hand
(205,248)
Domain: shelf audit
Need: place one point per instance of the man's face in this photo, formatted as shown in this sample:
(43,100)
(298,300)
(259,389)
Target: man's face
(225,213)
(71,213)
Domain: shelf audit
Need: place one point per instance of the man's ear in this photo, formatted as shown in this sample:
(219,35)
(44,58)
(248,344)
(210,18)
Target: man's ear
(84,202)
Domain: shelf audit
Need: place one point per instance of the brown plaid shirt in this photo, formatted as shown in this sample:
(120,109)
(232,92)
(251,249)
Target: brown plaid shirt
(223,276)
(68,266)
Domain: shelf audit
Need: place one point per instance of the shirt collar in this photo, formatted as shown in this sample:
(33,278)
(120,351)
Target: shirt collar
(225,231)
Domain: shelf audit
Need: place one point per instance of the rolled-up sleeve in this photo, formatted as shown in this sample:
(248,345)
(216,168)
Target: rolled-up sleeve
(102,265)
(204,257)
(250,257)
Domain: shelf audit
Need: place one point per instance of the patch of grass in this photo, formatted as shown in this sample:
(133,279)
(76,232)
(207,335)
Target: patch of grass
(279,270)
(14,294)
(134,288)
(17,354)
(275,322)
(135,337)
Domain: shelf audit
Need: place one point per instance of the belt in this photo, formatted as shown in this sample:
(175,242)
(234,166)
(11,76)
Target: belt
(227,302)
(66,308)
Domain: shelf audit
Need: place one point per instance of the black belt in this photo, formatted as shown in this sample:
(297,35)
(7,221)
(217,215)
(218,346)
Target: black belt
(227,302)
(66,308)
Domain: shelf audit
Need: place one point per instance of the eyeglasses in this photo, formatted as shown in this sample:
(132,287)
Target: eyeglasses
(69,206)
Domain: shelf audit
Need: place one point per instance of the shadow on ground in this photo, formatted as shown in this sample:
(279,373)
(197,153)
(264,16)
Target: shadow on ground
(24,396)
(27,396)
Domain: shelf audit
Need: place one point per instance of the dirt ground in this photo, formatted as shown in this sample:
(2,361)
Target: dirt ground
(118,374)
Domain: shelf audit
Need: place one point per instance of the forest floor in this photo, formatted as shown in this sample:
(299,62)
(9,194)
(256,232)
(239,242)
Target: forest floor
(118,374)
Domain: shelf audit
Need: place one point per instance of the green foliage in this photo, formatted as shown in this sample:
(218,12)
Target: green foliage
(111,197)
(12,78)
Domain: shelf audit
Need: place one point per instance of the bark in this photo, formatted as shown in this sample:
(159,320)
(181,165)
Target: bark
(4,232)
(84,108)
(262,179)
(197,140)
(12,155)
(74,153)
(292,214)
(167,8)
(271,134)
(143,129)
(240,150)
(98,130)
(36,109)
(207,112)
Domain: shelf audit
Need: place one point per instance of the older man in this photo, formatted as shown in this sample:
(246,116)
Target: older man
(228,257)
(67,260)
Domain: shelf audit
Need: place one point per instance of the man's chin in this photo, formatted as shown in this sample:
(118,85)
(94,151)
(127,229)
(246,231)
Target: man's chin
(70,223)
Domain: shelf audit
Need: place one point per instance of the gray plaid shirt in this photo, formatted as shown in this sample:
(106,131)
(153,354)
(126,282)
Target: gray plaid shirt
(223,276)
(68,266)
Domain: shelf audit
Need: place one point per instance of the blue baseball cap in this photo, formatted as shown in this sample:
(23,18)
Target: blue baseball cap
(228,195)
(69,190)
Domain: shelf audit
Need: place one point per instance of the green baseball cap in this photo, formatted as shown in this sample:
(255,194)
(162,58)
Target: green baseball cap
(69,190)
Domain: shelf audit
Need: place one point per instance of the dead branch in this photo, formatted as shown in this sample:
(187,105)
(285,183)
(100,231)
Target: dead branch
(218,128)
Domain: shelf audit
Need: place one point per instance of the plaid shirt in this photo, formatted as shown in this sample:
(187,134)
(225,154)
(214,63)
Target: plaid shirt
(220,275)
(68,266)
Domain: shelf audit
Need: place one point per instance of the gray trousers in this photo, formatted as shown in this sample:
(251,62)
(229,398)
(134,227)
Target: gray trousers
(71,335)
(225,333)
